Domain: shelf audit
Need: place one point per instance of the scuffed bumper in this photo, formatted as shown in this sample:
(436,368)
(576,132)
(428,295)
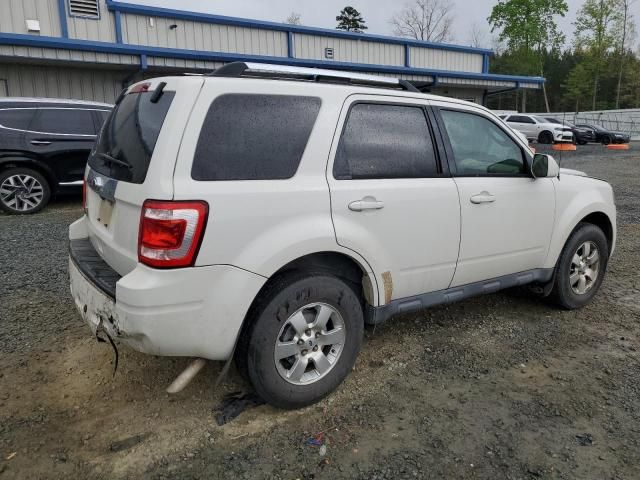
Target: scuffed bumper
(182,312)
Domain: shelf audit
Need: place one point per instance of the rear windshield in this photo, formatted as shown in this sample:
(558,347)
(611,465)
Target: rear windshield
(128,137)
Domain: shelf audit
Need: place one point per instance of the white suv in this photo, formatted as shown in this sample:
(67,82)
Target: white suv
(267,213)
(538,129)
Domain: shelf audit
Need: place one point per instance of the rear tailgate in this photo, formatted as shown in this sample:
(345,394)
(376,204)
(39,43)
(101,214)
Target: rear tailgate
(134,160)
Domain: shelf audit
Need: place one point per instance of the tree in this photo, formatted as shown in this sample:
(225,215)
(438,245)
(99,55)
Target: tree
(529,27)
(595,35)
(477,36)
(626,34)
(350,20)
(577,85)
(428,20)
(294,18)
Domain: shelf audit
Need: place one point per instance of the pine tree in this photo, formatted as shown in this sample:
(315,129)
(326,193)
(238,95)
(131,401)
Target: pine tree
(350,20)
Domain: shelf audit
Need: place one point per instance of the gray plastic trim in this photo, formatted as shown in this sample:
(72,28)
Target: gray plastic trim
(419,302)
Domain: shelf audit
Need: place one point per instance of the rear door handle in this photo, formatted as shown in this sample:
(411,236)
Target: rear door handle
(483,197)
(367,203)
(40,142)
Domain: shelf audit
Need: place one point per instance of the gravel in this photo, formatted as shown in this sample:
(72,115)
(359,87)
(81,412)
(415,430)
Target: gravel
(500,386)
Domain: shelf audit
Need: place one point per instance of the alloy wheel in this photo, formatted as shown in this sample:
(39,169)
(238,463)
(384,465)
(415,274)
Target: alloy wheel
(21,192)
(309,343)
(584,268)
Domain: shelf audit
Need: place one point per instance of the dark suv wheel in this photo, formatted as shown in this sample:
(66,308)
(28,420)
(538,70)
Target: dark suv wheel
(545,138)
(606,140)
(304,339)
(23,190)
(581,267)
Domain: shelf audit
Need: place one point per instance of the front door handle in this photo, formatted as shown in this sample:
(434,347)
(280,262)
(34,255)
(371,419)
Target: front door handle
(367,203)
(40,142)
(483,197)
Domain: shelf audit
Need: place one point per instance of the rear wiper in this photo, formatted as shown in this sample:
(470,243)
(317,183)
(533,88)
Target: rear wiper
(113,160)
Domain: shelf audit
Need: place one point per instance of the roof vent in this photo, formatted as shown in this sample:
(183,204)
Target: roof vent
(84,8)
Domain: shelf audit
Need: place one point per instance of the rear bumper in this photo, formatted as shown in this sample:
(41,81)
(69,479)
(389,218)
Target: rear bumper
(182,312)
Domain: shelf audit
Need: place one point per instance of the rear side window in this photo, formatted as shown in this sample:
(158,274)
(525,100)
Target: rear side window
(126,143)
(20,119)
(64,121)
(520,119)
(385,141)
(254,137)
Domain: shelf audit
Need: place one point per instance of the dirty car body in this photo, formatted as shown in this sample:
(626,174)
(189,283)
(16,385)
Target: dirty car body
(270,218)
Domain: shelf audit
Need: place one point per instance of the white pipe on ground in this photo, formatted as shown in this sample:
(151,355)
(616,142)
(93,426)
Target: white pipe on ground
(186,376)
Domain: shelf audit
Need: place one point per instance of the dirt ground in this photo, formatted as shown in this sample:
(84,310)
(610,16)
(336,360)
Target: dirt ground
(498,387)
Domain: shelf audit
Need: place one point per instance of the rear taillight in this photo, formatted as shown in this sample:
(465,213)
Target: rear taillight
(84,195)
(171,232)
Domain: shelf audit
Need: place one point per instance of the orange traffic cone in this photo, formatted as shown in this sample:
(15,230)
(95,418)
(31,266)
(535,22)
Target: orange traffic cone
(618,146)
(565,147)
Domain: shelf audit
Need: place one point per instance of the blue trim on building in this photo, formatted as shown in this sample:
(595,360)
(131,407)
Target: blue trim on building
(290,46)
(62,12)
(485,63)
(127,49)
(282,27)
(143,62)
(118,25)
(407,55)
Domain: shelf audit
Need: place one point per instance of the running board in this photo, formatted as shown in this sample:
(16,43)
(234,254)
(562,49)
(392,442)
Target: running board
(379,314)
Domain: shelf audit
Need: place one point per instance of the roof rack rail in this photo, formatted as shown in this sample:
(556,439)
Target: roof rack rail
(267,70)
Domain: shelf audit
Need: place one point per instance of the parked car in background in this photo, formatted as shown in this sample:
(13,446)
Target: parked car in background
(538,129)
(581,135)
(606,136)
(44,146)
(248,214)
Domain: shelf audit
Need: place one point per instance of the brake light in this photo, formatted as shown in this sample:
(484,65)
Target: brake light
(171,232)
(140,88)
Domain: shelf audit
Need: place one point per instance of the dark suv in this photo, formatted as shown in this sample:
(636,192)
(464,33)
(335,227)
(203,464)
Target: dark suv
(44,145)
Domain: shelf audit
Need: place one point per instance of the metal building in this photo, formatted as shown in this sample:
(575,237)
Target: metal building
(91,49)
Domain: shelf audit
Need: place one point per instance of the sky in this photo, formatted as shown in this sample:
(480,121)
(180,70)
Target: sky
(322,13)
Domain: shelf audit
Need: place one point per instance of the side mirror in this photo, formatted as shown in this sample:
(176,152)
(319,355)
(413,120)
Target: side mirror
(544,166)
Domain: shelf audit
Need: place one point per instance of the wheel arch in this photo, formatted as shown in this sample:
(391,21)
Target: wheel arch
(597,216)
(339,264)
(602,221)
(18,161)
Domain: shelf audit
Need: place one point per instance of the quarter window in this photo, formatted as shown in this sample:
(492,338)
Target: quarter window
(254,137)
(520,119)
(385,141)
(64,120)
(480,147)
(19,119)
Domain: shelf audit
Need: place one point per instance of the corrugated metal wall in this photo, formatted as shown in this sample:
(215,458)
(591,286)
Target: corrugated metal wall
(14,13)
(344,50)
(67,55)
(446,60)
(61,82)
(138,30)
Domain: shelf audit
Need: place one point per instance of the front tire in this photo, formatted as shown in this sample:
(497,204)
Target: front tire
(581,267)
(303,340)
(23,191)
(546,138)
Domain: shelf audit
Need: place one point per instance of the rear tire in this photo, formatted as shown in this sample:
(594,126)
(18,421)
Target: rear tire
(545,138)
(606,140)
(23,191)
(581,267)
(318,319)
